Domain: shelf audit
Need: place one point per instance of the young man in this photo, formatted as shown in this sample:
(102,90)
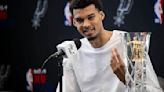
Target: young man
(98,66)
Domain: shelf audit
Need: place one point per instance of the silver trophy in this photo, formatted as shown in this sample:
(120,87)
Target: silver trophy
(137,46)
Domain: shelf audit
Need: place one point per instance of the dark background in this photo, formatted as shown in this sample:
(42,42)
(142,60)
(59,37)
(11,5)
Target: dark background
(23,47)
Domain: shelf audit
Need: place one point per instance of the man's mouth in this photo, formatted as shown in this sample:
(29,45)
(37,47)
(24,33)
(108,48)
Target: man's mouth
(85,30)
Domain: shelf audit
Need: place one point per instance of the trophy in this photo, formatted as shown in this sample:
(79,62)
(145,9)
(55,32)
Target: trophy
(136,46)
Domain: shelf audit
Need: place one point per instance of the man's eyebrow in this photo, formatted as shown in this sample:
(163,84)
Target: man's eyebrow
(78,18)
(92,14)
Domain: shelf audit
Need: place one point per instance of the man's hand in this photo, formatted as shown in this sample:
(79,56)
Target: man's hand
(117,65)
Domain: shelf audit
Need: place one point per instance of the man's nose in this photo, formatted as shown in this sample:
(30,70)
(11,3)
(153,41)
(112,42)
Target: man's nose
(86,24)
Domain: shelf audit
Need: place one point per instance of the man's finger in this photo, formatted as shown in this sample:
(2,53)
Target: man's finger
(116,56)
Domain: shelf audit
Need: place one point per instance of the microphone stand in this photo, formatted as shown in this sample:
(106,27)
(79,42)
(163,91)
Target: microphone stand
(60,68)
(60,72)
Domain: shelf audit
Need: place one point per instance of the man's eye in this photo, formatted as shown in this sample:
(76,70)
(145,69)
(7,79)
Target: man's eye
(91,17)
(79,20)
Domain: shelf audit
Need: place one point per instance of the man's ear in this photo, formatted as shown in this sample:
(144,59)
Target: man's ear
(73,21)
(102,15)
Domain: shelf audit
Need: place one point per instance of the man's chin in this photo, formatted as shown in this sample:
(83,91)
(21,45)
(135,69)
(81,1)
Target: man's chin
(91,38)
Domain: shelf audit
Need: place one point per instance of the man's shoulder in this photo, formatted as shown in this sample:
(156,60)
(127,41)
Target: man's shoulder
(83,40)
(119,31)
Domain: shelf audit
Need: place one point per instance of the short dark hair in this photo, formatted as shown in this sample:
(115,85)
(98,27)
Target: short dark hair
(78,4)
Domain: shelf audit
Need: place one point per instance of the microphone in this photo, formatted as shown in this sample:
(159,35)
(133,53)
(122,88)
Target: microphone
(65,49)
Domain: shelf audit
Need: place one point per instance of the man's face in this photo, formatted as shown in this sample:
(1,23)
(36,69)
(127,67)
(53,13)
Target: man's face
(88,21)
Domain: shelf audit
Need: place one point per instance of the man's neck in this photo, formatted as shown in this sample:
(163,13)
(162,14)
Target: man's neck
(102,39)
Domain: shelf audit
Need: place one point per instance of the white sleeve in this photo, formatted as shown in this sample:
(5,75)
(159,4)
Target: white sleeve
(69,79)
(152,83)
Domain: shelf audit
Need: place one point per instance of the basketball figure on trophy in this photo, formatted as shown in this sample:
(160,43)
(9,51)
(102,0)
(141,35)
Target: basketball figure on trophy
(137,49)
